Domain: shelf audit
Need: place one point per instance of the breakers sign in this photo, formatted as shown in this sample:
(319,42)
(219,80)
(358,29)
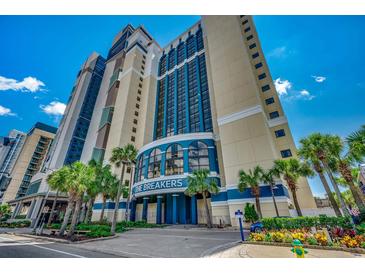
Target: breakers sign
(160,185)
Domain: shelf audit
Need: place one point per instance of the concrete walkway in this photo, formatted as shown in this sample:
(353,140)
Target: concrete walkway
(262,251)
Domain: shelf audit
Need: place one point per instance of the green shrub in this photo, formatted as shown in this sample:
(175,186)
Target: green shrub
(312,241)
(250,213)
(306,222)
(54,226)
(23,216)
(360,229)
(17,224)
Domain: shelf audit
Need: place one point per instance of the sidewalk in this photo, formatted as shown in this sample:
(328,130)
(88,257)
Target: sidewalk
(262,251)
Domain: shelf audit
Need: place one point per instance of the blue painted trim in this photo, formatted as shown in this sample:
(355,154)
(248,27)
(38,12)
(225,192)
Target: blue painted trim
(145,209)
(212,159)
(109,205)
(133,211)
(156,109)
(145,172)
(186,160)
(174,209)
(193,211)
(165,107)
(187,110)
(233,194)
(175,100)
(159,210)
(181,209)
(197,71)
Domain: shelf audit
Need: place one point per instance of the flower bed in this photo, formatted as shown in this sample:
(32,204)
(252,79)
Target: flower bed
(16,224)
(347,238)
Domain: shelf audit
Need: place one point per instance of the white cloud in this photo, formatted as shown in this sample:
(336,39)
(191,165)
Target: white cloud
(319,79)
(282,86)
(6,111)
(305,94)
(28,84)
(277,52)
(54,108)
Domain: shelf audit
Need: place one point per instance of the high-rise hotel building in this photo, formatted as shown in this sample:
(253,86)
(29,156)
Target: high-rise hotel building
(205,100)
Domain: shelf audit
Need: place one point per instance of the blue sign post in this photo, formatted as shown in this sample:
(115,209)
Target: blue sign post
(239,216)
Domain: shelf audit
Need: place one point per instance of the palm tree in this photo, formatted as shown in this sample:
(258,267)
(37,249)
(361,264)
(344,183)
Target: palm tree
(268,178)
(312,151)
(109,191)
(335,147)
(121,156)
(200,183)
(251,179)
(78,177)
(356,143)
(57,181)
(291,170)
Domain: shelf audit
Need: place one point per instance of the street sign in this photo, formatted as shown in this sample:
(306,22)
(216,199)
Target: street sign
(238,214)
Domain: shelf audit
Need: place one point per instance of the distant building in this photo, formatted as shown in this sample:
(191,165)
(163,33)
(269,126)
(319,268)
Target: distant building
(10,148)
(29,160)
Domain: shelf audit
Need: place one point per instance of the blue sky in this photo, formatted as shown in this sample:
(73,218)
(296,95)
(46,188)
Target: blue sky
(316,62)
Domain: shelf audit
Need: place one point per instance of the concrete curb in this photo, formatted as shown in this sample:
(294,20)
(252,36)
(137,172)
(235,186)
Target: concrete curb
(216,249)
(345,249)
(62,240)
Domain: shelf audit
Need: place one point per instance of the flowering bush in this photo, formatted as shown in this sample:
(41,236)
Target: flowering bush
(321,238)
(312,241)
(278,236)
(298,235)
(349,242)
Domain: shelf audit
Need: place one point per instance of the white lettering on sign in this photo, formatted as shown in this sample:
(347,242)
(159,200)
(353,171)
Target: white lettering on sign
(173,183)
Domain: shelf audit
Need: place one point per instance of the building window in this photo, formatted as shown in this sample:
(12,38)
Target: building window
(279,133)
(269,101)
(180,53)
(198,156)
(154,164)
(255,55)
(144,57)
(128,170)
(286,153)
(249,37)
(133,139)
(252,46)
(190,46)
(137,106)
(138,99)
(139,92)
(265,88)
(247,29)
(143,62)
(142,72)
(136,113)
(142,67)
(274,114)
(174,160)
(135,121)
(134,130)
(245,22)
(262,76)
(126,182)
(140,85)
(141,79)
(258,65)
(139,175)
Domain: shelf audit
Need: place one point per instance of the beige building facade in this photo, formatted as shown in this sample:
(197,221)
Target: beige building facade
(204,101)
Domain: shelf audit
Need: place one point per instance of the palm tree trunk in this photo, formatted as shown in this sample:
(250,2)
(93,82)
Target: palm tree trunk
(75,217)
(89,210)
(209,218)
(295,200)
(258,206)
(126,215)
(82,214)
(338,193)
(69,209)
(116,207)
(102,208)
(329,194)
(52,210)
(274,201)
(346,174)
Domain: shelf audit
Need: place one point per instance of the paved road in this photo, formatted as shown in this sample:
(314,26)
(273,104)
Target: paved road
(166,243)
(13,246)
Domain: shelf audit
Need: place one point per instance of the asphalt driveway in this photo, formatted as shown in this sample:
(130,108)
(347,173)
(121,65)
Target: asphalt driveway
(168,242)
